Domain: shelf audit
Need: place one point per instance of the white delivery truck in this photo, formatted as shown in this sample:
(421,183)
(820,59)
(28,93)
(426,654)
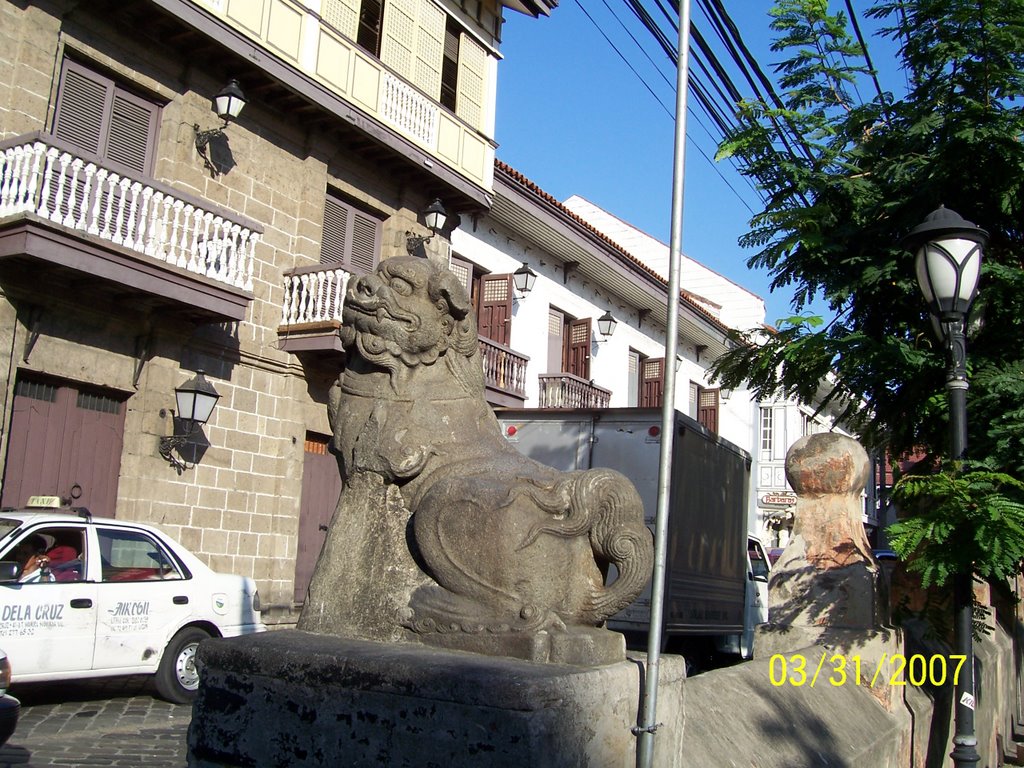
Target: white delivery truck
(716,582)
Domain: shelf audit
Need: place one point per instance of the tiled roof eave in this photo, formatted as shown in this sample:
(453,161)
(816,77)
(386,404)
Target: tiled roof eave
(516,179)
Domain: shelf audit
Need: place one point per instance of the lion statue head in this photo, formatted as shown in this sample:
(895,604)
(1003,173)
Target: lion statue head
(409,312)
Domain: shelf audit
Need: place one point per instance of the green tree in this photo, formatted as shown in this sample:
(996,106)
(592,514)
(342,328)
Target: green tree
(844,177)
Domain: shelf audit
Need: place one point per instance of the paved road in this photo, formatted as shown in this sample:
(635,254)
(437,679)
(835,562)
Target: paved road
(117,722)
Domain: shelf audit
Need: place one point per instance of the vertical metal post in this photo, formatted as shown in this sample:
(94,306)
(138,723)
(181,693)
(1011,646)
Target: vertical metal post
(965,753)
(645,747)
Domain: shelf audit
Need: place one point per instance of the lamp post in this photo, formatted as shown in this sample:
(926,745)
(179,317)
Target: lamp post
(948,263)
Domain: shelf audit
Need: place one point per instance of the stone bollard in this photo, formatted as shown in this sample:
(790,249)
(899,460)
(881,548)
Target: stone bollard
(827,589)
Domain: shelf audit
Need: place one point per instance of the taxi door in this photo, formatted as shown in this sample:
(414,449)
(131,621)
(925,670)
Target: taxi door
(143,598)
(47,627)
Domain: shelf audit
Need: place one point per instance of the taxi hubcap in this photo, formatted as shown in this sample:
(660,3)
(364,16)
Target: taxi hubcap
(186,667)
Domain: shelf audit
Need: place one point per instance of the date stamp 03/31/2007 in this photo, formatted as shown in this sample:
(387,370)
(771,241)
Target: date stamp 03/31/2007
(839,669)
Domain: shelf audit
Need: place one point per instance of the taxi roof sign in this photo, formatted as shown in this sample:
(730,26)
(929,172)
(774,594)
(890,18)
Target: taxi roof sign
(50,502)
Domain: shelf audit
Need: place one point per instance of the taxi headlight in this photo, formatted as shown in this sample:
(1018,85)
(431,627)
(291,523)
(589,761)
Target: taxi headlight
(256,600)
(5,675)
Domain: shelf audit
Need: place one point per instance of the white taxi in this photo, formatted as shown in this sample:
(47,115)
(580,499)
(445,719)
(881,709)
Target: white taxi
(90,597)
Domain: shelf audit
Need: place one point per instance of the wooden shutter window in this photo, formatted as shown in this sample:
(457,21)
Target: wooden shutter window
(430,44)
(472,81)
(464,271)
(332,247)
(343,15)
(95,114)
(131,132)
(81,108)
(351,238)
(450,65)
(578,348)
(495,316)
(556,340)
(707,408)
(371,12)
(652,382)
(398,37)
(365,240)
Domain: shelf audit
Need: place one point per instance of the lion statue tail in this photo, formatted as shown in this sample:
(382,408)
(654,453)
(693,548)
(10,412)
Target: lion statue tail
(606,505)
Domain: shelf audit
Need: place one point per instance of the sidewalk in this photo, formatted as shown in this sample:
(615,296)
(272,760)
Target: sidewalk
(117,723)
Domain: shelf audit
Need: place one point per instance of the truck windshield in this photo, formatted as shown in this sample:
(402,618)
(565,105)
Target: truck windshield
(759,567)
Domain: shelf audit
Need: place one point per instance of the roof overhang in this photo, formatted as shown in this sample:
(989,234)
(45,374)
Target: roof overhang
(556,230)
(531,7)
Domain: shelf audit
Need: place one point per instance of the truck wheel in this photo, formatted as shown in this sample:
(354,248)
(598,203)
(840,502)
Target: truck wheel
(177,678)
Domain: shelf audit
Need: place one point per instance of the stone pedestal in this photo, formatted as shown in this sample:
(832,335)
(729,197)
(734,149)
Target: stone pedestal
(299,699)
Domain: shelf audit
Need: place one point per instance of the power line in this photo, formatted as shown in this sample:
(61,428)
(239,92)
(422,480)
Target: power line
(721,120)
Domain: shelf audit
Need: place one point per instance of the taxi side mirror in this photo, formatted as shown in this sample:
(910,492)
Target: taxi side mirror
(9,572)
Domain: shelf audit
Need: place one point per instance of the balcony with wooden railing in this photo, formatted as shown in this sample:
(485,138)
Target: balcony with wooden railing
(504,374)
(564,390)
(320,46)
(314,297)
(92,223)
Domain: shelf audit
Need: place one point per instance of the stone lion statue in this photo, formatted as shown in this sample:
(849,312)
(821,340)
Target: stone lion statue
(444,533)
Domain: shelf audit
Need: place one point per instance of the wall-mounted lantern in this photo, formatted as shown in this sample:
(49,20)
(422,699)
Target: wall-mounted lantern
(228,104)
(523,279)
(606,325)
(196,399)
(435,217)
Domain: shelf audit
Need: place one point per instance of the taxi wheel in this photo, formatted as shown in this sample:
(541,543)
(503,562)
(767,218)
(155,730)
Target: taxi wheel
(177,678)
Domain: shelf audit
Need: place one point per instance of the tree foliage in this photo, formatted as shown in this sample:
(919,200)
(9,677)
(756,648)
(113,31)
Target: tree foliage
(845,175)
(959,521)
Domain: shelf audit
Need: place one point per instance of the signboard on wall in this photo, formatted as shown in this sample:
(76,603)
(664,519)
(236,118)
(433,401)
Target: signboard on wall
(778,499)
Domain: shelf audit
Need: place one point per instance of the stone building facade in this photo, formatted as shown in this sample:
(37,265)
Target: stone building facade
(132,257)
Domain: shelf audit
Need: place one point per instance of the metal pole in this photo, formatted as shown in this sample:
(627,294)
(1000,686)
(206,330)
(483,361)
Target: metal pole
(965,753)
(645,747)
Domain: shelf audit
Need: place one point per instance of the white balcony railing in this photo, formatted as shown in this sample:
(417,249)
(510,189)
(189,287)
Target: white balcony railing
(313,295)
(68,188)
(408,109)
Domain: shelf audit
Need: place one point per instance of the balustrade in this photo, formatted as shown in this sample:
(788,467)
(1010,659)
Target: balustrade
(67,188)
(503,368)
(564,390)
(313,295)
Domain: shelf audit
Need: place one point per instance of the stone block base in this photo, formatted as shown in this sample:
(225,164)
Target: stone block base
(298,699)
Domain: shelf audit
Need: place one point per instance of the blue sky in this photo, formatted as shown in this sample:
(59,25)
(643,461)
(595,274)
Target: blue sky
(574,118)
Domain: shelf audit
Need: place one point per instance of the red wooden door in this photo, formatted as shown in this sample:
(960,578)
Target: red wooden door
(321,486)
(64,438)
(577,346)
(652,382)
(707,408)
(495,314)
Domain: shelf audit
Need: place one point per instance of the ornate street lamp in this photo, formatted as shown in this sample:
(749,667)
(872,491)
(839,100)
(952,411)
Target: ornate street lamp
(228,104)
(948,262)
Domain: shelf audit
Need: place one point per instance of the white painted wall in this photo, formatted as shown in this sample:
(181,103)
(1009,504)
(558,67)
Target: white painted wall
(732,304)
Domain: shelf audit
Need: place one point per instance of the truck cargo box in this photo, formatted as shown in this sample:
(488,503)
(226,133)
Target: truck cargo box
(706,590)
